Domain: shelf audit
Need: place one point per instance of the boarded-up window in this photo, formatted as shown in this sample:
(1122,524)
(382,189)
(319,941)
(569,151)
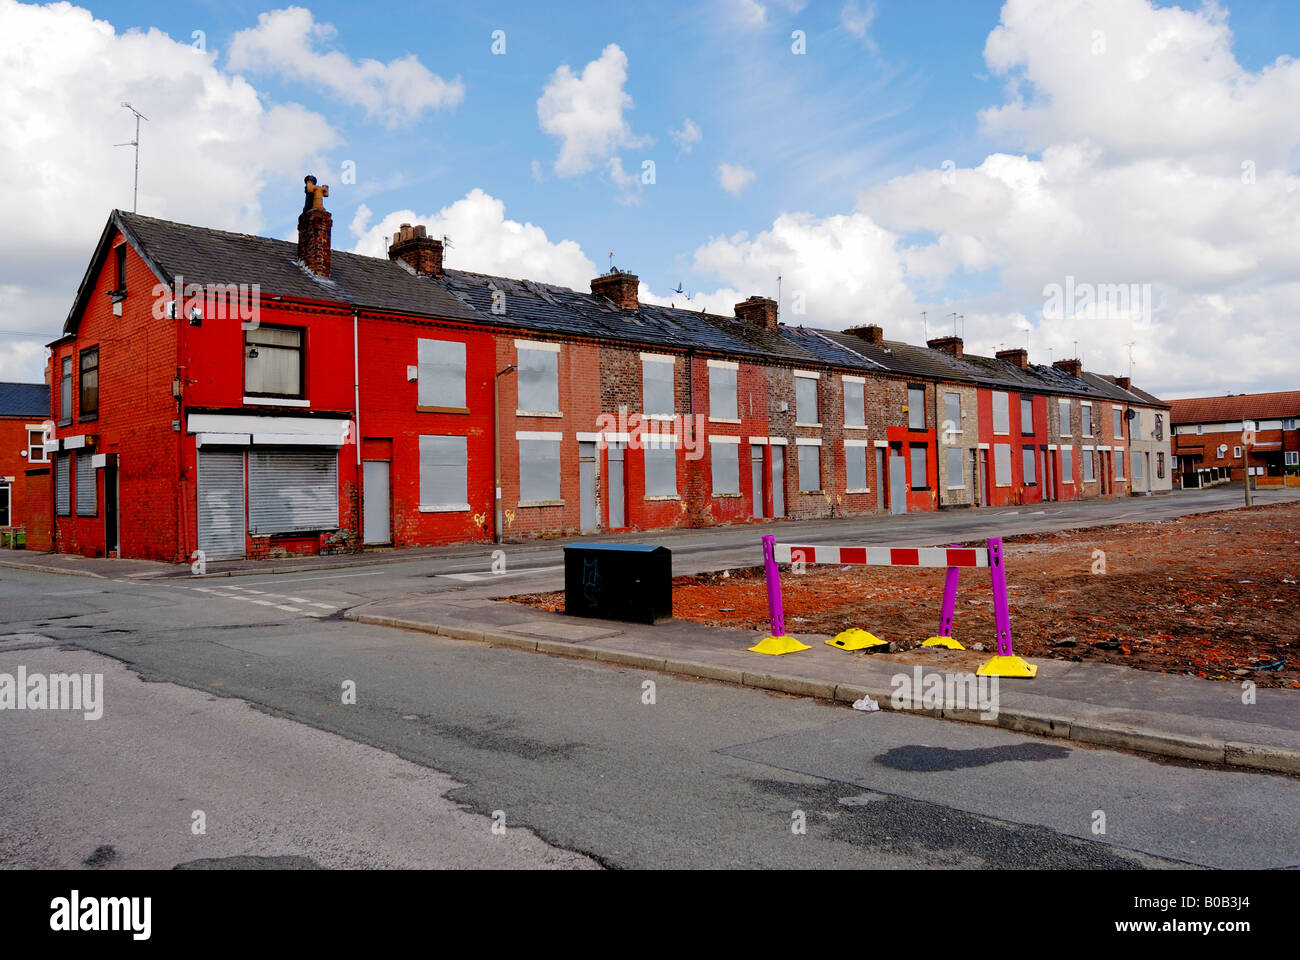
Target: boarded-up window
(63,484)
(292,491)
(956,468)
(1067,464)
(1063,406)
(915,408)
(660,468)
(539,381)
(1002,463)
(441,373)
(1119,464)
(657,387)
(539,470)
(1085,418)
(1118,414)
(443,468)
(726,467)
(855,467)
(810,469)
(1001,413)
(952,413)
(920,467)
(1026,415)
(1088,475)
(805,400)
(1137,465)
(86,505)
(1031,474)
(722,393)
(854,404)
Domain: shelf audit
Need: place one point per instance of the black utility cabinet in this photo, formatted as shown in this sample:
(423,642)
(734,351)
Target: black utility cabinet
(618,581)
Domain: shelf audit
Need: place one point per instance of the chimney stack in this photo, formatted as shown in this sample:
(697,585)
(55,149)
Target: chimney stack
(1017,355)
(1124,383)
(619,287)
(314,225)
(759,312)
(952,345)
(420,252)
(1073,367)
(871,333)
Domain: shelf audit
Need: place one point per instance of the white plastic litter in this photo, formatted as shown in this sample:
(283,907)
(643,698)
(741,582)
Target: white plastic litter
(867,704)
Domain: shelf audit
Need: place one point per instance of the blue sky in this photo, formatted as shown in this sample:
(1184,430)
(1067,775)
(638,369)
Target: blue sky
(842,131)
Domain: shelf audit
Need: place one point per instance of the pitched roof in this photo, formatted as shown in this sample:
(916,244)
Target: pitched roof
(24,400)
(1242,406)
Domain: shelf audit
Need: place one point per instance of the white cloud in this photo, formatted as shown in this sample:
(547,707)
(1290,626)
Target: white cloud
(291,43)
(857,20)
(746,13)
(687,137)
(734,178)
(484,241)
(210,146)
(585,111)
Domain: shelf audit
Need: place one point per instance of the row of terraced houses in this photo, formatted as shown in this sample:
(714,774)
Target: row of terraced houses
(251,397)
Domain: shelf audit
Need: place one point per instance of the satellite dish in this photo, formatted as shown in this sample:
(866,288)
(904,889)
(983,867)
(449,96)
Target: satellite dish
(1130,413)
(1223,448)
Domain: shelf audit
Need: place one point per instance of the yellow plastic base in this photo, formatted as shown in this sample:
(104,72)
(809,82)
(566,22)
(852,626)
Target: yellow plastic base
(855,639)
(948,642)
(1008,667)
(775,646)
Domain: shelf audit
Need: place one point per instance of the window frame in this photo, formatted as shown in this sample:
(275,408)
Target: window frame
(799,467)
(1085,423)
(912,450)
(463,406)
(302,361)
(1023,401)
(997,473)
(34,448)
(815,380)
(913,407)
(1064,406)
(447,506)
(947,410)
(722,370)
(961,468)
(545,349)
(82,413)
(1005,398)
(1089,467)
(860,410)
(860,449)
(65,387)
(1067,476)
(659,362)
(1028,467)
(526,437)
(715,445)
(666,448)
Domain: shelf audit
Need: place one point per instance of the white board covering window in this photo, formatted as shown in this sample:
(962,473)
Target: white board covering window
(915,408)
(855,468)
(1002,463)
(722,393)
(920,467)
(1063,408)
(1085,418)
(85,484)
(539,470)
(539,380)
(1026,415)
(1067,464)
(854,404)
(1088,475)
(657,387)
(444,466)
(660,469)
(1119,464)
(1001,413)
(805,400)
(441,374)
(726,467)
(956,469)
(1030,472)
(1118,416)
(952,413)
(292,491)
(62,484)
(810,469)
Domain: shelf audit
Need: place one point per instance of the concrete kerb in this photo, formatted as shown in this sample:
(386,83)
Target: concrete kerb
(1159,743)
(43,569)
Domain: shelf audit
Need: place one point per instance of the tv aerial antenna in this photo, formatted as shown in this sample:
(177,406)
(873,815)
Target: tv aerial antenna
(135,190)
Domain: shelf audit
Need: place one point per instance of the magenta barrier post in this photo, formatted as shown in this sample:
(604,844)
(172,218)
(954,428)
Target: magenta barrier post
(1001,610)
(775,613)
(949,599)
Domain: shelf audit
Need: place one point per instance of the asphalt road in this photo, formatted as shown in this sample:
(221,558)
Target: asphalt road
(705,776)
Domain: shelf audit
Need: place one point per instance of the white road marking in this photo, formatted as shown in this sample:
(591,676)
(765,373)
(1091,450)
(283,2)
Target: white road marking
(478,577)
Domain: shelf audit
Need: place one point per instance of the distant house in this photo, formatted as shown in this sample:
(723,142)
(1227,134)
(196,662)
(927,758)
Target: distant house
(1220,438)
(24,408)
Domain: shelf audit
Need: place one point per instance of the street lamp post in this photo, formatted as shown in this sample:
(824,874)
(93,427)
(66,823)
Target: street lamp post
(496,443)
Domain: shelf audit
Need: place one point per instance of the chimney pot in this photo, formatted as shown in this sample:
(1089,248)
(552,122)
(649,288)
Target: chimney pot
(952,345)
(620,287)
(1018,356)
(1073,367)
(871,333)
(314,228)
(758,312)
(421,253)
(1123,383)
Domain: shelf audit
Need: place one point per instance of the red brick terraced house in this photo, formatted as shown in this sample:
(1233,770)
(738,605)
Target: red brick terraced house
(1220,438)
(24,467)
(249,397)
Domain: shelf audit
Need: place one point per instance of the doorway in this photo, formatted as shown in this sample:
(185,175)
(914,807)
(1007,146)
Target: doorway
(588,478)
(376,508)
(111,526)
(778,480)
(881,485)
(897,479)
(756,478)
(617,485)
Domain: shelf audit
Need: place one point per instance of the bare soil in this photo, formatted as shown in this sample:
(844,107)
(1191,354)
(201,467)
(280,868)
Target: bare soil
(1211,595)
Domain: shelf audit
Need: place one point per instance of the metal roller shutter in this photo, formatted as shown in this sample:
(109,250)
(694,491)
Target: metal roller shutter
(86,505)
(293,491)
(62,484)
(221,504)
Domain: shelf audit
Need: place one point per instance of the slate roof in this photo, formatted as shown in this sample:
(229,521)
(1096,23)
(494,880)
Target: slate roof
(1243,406)
(24,400)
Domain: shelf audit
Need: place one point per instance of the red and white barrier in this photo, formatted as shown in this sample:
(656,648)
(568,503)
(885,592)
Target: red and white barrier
(883,556)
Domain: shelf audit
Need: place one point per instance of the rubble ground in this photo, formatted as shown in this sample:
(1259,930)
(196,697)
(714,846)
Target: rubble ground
(1212,595)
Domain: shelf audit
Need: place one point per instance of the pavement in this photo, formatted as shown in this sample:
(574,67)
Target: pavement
(1101,704)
